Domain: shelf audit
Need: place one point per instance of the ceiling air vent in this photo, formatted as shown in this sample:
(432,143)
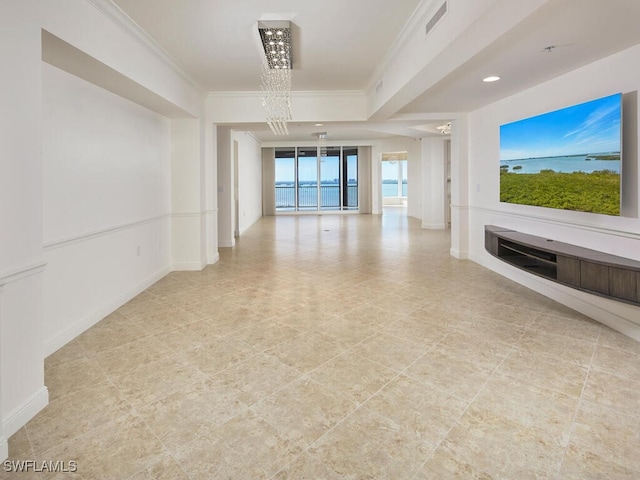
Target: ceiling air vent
(436,17)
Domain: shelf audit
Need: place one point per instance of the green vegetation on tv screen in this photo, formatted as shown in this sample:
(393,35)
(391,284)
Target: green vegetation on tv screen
(568,159)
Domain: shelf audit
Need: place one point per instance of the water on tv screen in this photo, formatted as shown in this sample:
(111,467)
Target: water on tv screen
(567,159)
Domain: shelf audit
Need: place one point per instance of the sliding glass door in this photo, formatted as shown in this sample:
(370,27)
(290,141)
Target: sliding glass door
(307,178)
(316,178)
(350,178)
(285,174)
(330,178)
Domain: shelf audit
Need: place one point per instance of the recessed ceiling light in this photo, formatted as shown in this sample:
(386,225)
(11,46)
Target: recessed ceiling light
(319,124)
(490,79)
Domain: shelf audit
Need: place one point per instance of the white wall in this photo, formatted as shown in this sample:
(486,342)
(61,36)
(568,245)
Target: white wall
(22,390)
(107,200)
(317,106)
(186,194)
(615,235)
(100,30)
(225,181)
(95,203)
(249,179)
(433,183)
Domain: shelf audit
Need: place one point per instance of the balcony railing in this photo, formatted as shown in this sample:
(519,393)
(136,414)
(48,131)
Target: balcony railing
(308,196)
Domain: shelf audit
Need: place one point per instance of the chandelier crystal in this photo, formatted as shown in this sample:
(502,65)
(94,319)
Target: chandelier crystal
(276,74)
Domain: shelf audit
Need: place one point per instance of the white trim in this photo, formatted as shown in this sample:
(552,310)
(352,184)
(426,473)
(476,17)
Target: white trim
(416,20)
(434,226)
(214,259)
(210,212)
(62,338)
(187,214)
(252,135)
(459,254)
(114,13)
(19,417)
(4,449)
(294,94)
(83,237)
(563,223)
(187,267)
(575,299)
(20,273)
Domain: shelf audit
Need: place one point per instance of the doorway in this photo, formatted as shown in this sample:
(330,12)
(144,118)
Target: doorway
(394,179)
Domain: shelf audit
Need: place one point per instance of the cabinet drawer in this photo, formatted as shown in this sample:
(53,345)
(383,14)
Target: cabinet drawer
(568,271)
(594,277)
(623,284)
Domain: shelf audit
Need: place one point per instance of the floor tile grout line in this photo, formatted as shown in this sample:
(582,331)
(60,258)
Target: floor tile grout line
(359,405)
(455,423)
(578,406)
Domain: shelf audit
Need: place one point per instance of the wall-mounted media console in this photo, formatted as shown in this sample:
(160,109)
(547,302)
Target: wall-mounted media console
(588,270)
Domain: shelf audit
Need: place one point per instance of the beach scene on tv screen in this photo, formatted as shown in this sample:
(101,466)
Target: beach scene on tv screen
(567,159)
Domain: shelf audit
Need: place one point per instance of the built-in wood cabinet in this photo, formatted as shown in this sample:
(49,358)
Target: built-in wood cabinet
(588,270)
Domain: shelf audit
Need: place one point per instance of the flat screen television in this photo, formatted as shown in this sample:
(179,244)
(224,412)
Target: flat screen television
(568,159)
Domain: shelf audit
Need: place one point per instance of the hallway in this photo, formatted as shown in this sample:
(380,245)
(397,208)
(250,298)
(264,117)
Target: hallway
(341,346)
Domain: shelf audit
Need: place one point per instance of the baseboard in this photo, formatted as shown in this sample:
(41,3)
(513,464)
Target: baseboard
(19,417)
(64,337)
(187,267)
(249,224)
(214,259)
(599,309)
(4,449)
(459,254)
(434,226)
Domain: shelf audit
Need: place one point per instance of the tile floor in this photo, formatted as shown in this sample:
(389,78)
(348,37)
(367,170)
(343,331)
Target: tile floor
(341,347)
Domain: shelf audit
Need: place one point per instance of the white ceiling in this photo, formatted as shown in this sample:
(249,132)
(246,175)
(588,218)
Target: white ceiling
(341,42)
(337,45)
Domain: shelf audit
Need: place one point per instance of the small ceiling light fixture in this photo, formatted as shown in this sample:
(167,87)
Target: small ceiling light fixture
(492,78)
(445,128)
(276,74)
(318,124)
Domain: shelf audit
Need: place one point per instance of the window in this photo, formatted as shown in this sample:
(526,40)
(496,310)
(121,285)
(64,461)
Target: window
(316,178)
(394,178)
(286,179)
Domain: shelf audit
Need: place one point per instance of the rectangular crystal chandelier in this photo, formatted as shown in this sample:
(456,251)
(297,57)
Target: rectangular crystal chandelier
(275,37)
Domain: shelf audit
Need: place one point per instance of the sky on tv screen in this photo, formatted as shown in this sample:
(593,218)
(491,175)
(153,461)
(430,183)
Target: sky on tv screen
(587,128)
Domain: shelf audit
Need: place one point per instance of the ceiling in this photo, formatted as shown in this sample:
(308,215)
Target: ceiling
(340,43)
(337,45)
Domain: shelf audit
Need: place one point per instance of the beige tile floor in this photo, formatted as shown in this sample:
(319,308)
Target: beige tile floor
(341,347)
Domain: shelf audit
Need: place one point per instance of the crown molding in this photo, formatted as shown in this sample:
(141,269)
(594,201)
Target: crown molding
(123,21)
(294,93)
(416,20)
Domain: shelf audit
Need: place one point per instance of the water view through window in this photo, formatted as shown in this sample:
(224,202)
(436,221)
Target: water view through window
(316,178)
(394,178)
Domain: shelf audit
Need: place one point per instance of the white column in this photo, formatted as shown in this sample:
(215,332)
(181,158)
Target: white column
(187,195)
(22,390)
(460,187)
(268,181)
(226,236)
(364,179)
(376,181)
(433,183)
(211,180)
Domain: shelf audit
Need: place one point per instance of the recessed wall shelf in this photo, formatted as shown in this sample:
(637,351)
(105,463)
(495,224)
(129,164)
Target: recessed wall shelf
(577,267)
